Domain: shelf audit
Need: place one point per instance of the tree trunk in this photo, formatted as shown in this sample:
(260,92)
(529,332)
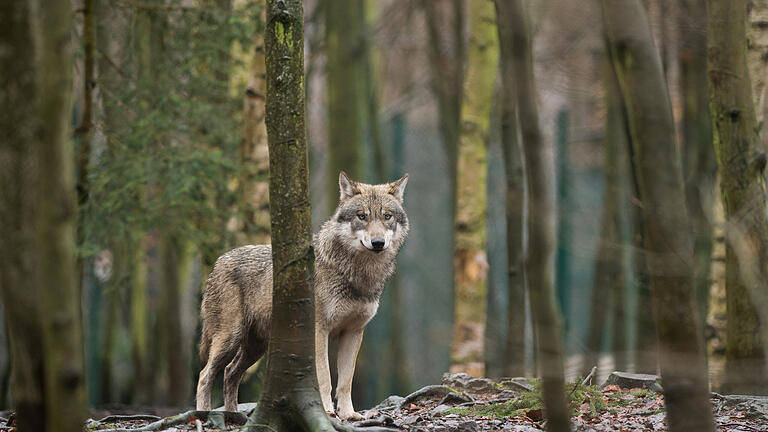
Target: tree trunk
(699,164)
(139,327)
(290,399)
(19,276)
(254,156)
(61,304)
(741,160)
(647,350)
(83,132)
(541,220)
(174,259)
(347,102)
(514,345)
(37,217)
(470,260)
(609,283)
(667,230)
(757,54)
(565,209)
(109,326)
(446,69)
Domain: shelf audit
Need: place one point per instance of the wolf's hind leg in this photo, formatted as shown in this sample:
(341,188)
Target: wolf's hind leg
(218,356)
(349,345)
(233,373)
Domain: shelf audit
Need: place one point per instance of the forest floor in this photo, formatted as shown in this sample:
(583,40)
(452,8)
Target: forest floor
(463,403)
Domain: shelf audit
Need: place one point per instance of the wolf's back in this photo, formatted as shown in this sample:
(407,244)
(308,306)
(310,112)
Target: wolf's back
(238,292)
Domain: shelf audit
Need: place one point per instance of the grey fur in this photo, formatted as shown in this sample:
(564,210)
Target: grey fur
(349,279)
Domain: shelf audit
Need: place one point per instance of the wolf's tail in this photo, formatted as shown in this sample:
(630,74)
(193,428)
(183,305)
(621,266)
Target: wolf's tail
(205,347)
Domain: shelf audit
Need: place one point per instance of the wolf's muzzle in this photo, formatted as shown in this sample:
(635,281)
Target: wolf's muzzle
(378,244)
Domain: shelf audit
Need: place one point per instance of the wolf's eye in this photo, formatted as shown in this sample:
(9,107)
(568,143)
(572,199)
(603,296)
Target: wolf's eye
(361,216)
(387,216)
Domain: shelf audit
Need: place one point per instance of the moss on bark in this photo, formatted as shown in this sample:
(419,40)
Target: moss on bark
(290,399)
(741,160)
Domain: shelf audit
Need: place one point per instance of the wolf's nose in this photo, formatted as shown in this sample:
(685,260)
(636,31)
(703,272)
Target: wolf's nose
(377,243)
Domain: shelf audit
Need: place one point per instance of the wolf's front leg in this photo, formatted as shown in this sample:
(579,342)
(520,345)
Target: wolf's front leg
(321,363)
(349,345)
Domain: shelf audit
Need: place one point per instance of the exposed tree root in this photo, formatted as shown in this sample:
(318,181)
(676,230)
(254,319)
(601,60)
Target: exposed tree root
(382,420)
(428,391)
(217,418)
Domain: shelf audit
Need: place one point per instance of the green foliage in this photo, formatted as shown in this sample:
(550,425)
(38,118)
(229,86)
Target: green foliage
(577,393)
(170,127)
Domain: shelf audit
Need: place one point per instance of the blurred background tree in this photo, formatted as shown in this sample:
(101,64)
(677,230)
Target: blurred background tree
(169,145)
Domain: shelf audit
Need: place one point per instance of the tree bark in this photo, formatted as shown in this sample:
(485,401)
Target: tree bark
(470,260)
(541,221)
(139,327)
(741,160)
(446,68)
(647,350)
(699,163)
(347,102)
(83,132)
(565,209)
(667,229)
(290,399)
(38,217)
(18,174)
(174,259)
(757,55)
(61,303)
(514,345)
(609,283)
(254,155)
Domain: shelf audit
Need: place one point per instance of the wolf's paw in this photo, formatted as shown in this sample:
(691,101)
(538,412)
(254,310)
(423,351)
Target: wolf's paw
(349,415)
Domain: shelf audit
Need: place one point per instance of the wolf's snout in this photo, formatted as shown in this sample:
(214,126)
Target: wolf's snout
(378,243)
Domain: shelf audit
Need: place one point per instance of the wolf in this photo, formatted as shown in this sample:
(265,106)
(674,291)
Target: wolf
(355,253)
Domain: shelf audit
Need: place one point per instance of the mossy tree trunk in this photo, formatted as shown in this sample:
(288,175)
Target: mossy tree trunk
(346,66)
(447,51)
(541,221)
(757,58)
(174,259)
(741,160)
(699,164)
(609,283)
(667,229)
(253,184)
(290,399)
(83,133)
(617,183)
(18,173)
(38,217)
(470,260)
(139,323)
(514,345)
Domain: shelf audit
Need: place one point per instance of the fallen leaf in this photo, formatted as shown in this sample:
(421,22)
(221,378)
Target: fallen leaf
(413,407)
(611,389)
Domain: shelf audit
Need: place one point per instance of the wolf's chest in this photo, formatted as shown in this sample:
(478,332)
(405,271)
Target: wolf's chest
(345,314)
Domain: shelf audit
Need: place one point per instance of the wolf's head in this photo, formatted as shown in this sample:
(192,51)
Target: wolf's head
(371,218)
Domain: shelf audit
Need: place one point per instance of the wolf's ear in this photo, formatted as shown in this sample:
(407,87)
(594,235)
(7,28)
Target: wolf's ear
(397,188)
(347,187)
